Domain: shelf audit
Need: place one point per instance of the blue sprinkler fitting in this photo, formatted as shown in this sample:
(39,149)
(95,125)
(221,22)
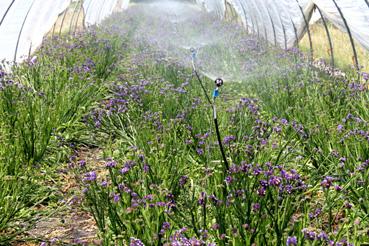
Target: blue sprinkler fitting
(216,93)
(193,53)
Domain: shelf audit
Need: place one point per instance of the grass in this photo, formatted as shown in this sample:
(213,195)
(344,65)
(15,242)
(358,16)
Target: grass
(342,49)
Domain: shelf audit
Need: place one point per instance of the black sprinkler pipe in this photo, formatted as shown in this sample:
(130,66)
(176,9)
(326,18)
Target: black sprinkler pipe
(218,84)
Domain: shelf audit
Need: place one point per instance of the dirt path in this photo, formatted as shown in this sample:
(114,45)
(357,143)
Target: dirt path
(71,225)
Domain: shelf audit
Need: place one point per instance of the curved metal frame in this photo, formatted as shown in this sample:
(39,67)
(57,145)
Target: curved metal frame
(284,36)
(73,15)
(260,15)
(328,36)
(296,35)
(6,12)
(256,17)
(273,26)
(99,16)
(87,9)
(244,13)
(63,19)
(255,22)
(265,14)
(251,18)
(79,14)
(21,30)
(350,35)
(308,32)
(283,27)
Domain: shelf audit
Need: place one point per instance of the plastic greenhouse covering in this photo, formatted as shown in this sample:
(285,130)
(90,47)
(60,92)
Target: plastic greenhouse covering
(184,122)
(24,23)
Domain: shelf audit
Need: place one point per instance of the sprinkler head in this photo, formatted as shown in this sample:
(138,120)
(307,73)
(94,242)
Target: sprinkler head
(193,52)
(218,82)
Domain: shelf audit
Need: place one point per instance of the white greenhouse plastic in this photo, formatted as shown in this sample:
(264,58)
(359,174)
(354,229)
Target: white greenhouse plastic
(24,23)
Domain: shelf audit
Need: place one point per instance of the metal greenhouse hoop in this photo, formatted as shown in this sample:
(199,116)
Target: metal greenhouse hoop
(79,14)
(73,15)
(283,27)
(296,34)
(252,22)
(261,17)
(244,13)
(63,19)
(273,26)
(20,32)
(308,32)
(88,7)
(99,15)
(6,12)
(328,36)
(350,35)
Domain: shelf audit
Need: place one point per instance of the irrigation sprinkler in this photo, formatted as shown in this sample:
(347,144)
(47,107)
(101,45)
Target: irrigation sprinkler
(218,83)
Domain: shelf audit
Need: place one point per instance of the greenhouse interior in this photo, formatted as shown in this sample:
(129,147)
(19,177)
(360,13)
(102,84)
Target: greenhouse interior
(184,122)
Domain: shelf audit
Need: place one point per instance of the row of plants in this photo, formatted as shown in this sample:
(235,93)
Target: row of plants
(296,143)
(42,102)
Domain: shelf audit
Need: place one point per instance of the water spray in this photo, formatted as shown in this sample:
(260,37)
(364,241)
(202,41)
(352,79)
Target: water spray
(218,83)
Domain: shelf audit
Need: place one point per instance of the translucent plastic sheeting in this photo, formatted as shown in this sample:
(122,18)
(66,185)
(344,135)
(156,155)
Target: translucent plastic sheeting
(4,5)
(97,10)
(281,23)
(284,22)
(25,25)
(356,13)
(213,6)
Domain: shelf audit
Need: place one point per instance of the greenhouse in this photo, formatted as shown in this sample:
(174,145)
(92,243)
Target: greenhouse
(184,122)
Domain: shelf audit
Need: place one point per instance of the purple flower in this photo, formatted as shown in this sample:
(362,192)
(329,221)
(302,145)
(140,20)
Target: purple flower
(229,139)
(263,142)
(165,226)
(337,188)
(310,235)
(183,180)
(256,207)
(136,242)
(284,121)
(323,236)
(340,128)
(116,198)
(43,244)
(202,198)
(33,60)
(200,151)
(104,184)
(146,168)
(2,74)
(261,191)
(82,163)
(365,76)
(215,226)
(291,241)
(275,181)
(111,164)
(327,182)
(90,176)
(229,180)
(348,205)
(124,170)
(189,141)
